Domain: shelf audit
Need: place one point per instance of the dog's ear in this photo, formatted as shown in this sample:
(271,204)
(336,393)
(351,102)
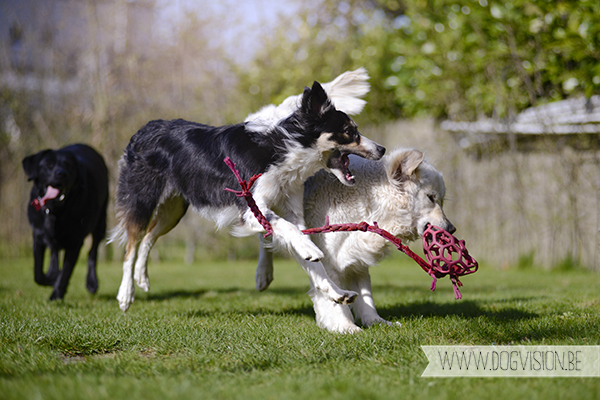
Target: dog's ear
(401,165)
(315,100)
(31,163)
(81,180)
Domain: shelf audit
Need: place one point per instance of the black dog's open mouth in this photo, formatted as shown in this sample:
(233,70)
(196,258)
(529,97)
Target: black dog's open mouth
(51,194)
(340,161)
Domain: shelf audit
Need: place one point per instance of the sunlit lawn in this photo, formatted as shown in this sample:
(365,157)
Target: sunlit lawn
(204,332)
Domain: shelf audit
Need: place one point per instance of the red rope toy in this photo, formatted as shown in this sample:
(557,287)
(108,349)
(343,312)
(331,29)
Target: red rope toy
(438,244)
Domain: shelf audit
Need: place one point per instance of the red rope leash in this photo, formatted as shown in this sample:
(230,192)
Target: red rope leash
(247,195)
(438,244)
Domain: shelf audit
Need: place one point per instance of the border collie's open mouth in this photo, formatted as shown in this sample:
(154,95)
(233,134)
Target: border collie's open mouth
(339,164)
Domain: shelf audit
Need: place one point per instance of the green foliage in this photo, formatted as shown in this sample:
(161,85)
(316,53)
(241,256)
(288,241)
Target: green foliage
(323,40)
(569,263)
(111,95)
(466,58)
(526,261)
(447,58)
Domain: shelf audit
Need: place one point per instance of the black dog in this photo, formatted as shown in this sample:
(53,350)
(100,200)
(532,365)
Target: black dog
(68,202)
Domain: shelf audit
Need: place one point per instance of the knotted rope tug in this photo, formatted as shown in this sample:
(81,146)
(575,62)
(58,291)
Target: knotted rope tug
(439,245)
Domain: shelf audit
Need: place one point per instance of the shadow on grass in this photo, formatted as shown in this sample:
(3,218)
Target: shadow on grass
(462,308)
(259,311)
(195,294)
(425,308)
(212,294)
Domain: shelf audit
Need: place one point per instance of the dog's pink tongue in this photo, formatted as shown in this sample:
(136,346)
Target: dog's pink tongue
(51,193)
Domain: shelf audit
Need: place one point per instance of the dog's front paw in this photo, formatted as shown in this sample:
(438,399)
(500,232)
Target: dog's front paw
(351,329)
(91,285)
(45,280)
(308,251)
(345,297)
(57,295)
(344,328)
(333,324)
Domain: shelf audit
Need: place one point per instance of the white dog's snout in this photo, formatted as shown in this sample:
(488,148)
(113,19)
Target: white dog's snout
(443,223)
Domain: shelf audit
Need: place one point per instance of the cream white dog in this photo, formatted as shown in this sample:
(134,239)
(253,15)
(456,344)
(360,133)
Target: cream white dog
(402,192)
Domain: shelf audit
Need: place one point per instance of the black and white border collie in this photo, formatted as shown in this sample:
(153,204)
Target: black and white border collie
(170,165)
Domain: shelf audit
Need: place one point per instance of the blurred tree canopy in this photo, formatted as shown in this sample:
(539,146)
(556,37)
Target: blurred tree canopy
(80,74)
(95,72)
(459,59)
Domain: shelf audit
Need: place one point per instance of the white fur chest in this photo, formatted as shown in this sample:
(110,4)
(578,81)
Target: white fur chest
(287,179)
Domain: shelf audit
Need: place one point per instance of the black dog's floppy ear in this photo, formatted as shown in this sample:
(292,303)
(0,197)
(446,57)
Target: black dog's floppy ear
(315,100)
(31,163)
(81,175)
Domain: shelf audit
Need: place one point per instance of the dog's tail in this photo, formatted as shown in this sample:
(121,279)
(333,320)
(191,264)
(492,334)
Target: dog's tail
(126,206)
(118,234)
(346,91)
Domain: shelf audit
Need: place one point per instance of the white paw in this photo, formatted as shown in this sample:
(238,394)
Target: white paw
(143,282)
(308,251)
(346,327)
(125,298)
(352,329)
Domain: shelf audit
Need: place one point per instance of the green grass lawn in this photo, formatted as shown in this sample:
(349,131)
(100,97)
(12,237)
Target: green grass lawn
(204,332)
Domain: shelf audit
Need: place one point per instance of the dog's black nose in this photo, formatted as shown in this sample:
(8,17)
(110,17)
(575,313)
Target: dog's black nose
(451,228)
(61,173)
(380,150)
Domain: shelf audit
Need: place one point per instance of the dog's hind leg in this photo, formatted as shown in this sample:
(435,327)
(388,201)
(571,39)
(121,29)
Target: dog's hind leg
(91,281)
(97,235)
(264,269)
(166,217)
(127,289)
(364,306)
(139,192)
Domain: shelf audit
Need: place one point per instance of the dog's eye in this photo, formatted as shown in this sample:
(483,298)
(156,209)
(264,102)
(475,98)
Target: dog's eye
(431,198)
